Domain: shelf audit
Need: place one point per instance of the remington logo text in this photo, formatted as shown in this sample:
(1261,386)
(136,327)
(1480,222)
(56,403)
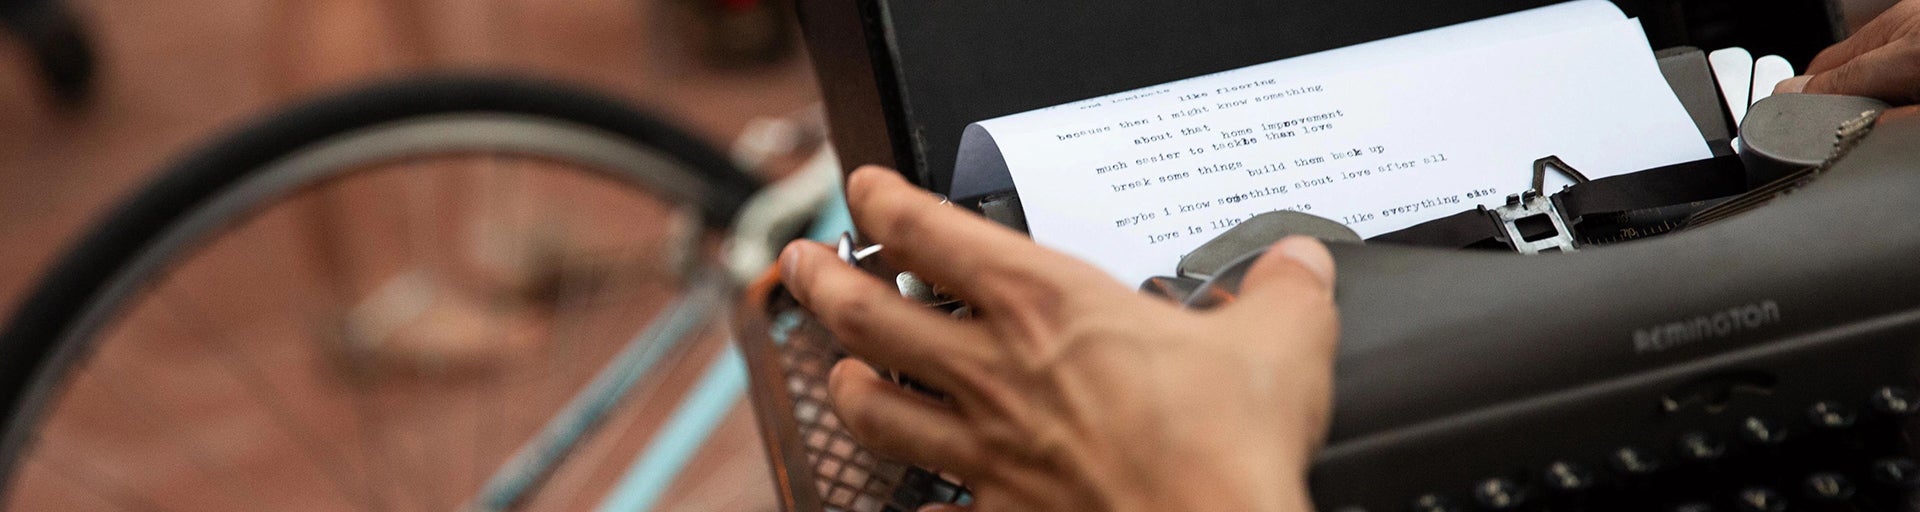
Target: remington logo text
(1720,324)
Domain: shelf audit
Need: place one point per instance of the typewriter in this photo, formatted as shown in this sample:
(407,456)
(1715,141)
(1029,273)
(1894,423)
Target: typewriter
(1740,340)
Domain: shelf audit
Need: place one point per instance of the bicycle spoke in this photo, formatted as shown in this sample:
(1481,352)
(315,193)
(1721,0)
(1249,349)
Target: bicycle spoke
(560,343)
(190,447)
(253,381)
(324,243)
(562,346)
(421,232)
(414,457)
(642,397)
(638,396)
(83,474)
(360,369)
(643,390)
(373,449)
(324,314)
(330,318)
(569,491)
(486,433)
(532,463)
(571,328)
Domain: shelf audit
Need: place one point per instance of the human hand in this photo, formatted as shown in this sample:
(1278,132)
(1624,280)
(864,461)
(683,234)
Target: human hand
(1068,390)
(1881,61)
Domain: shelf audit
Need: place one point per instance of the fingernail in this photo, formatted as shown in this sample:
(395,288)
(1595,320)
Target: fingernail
(1793,85)
(789,258)
(1309,253)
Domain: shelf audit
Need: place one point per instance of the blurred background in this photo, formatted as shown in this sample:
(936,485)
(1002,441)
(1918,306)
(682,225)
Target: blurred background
(171,75)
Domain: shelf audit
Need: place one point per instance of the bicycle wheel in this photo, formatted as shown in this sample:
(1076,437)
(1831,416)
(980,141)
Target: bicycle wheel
(417,296)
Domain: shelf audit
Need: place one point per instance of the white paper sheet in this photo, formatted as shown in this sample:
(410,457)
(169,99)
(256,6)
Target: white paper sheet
(1379,136)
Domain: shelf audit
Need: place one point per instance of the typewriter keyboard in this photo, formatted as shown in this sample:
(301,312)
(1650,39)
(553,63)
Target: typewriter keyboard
(1844,453)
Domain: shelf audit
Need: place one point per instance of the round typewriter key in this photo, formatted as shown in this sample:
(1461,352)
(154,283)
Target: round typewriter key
(1499,494)
(1829,487)
(1700,447)
(1566,476)
(1828,414)
(1900,471)
(1432,503)
(1762,431)
(1634,462)
(1898,401)
(1760,499)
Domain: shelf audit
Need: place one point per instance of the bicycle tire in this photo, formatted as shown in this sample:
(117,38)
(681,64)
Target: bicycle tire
(32,358)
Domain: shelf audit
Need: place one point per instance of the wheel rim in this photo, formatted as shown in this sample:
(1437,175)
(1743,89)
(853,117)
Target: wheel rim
(521,139)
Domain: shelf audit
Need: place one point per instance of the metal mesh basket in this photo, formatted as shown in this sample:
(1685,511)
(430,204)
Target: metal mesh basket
(816,465)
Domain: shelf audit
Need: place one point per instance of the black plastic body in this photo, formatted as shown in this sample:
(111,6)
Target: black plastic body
(1458,367)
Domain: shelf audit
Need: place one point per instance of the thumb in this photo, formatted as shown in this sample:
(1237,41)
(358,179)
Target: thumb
(1294,269)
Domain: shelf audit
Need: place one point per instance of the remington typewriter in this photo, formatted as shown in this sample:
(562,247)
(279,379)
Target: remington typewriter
(1732,334)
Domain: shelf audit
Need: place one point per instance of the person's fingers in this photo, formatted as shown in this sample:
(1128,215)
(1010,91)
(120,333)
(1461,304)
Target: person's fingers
(1793,85)
(893,421)
(1887,73)
(1292,268)
(873,321)
(1880,31)
(1295,276)
(987,264)
(1843,51)
(1907,112)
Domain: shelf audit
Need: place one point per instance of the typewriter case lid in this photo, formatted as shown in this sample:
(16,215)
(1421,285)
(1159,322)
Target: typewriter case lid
(903,78)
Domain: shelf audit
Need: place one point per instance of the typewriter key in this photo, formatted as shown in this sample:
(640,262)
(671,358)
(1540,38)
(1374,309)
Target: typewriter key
(1828,414)
(1760,499)
(1829,487)
(1762,431)
(1500,494)
(1897,471)
(1431,503)
(1700,447)
(1566,476)
(1632,461)
(1896,401)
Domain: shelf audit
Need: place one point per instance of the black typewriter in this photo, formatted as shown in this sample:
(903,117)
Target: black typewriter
(1734,334)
